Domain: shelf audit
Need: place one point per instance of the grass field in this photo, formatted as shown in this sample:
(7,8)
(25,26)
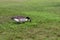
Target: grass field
(45,15)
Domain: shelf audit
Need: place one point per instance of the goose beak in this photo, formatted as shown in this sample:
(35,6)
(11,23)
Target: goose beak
(29,20)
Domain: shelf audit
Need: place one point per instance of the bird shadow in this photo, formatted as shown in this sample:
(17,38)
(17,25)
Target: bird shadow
(18,23)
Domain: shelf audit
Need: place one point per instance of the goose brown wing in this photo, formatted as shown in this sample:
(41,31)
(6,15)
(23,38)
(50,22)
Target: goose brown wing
(19,17)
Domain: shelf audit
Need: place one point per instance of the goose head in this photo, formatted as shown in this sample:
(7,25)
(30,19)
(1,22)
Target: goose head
(28,19)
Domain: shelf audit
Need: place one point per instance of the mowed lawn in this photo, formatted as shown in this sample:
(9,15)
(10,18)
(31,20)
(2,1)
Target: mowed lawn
(45,16)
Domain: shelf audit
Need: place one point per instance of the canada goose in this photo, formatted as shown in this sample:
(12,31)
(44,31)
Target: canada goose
(21,19)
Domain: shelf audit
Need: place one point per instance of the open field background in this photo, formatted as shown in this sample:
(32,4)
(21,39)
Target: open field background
(45,15)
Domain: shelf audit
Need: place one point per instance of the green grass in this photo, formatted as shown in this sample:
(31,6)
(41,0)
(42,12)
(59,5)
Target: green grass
(45,15)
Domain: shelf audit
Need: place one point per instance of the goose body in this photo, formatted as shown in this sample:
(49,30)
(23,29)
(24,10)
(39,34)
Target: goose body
(21,19)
